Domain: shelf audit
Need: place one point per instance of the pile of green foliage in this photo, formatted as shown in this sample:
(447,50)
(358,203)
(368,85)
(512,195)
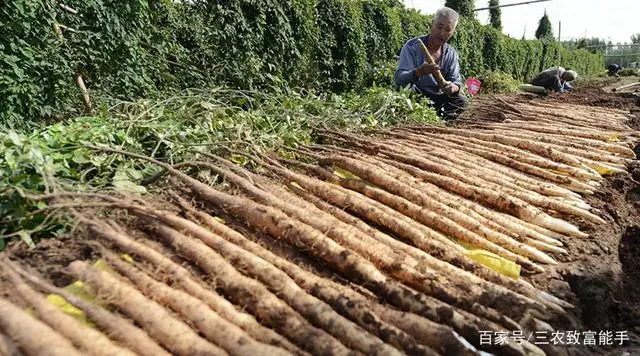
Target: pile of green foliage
(628,72)
(142,48)
(498,83)
(57,157)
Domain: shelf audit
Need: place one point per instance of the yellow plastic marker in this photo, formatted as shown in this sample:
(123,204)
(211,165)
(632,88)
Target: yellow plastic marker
(496,263)
(69,309)
(345,174)
(77,288)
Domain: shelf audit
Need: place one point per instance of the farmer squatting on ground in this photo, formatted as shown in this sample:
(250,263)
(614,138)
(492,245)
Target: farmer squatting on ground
(555,78)
(413,69)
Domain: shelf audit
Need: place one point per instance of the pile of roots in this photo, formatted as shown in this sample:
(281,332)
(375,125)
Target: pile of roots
(364,244)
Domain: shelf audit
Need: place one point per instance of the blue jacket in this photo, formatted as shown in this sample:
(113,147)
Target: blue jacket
(411,58)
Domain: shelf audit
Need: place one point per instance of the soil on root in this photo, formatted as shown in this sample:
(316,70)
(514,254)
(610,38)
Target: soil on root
(51,257)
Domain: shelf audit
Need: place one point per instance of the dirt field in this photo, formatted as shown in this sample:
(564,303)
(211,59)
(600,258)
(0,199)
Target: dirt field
(624,81)
(600,275)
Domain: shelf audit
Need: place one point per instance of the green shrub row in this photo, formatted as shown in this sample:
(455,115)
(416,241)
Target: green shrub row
(483,49)
(129,49)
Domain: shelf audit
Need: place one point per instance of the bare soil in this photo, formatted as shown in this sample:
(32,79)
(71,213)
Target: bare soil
(594,96)
(623,81)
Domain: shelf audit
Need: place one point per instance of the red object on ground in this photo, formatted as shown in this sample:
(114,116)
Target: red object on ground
(473,86)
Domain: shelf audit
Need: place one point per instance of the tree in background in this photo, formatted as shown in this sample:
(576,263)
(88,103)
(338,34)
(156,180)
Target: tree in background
(494,15)
(463,7)
(544,30)
(635,39)
(593,44)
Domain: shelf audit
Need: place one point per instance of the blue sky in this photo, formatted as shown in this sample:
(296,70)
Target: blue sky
(595,18)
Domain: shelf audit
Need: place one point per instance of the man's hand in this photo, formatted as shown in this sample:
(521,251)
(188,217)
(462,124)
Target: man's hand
(451,88)
(427,69)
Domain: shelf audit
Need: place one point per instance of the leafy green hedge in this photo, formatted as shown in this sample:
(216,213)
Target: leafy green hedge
(136,48)
(483,48)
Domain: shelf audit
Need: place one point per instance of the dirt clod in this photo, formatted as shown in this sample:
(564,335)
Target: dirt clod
(52,256)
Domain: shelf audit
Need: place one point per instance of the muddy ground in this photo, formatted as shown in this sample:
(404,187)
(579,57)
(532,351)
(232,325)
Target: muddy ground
(600,275)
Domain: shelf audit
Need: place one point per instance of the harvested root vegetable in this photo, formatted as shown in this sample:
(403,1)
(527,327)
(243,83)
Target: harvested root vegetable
(83,337)
(370,211)
(322,288)
(419,235)
(308,306)
(572,147)
(492,219)
(518,155)
(528,145)
(511,196)
(7,346)
(458,274)
(526,166)
(614,148)
(185,280)
(437,218)
(172,333)
(356,267)
(486,169)
(303,236)
(118,328)
(33,337)
(254,296)
(381,255)
(298,235)
(564,130)
(512,206)
(228,336)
